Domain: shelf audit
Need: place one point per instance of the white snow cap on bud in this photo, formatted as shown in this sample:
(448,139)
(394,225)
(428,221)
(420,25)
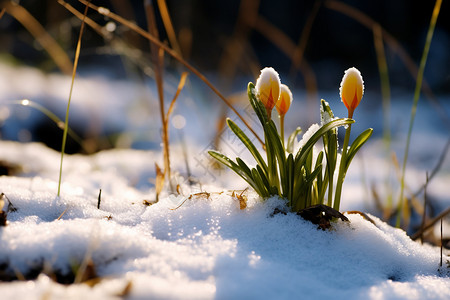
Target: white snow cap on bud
(268,88)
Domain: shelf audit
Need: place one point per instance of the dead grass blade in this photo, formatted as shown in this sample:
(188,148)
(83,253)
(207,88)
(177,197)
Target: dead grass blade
(235,47)
(437,167)
(177,93)
(153,39)
(99,29)
(430,224)
(164,11)
(159,184)
(158,60)
(424,214)
(39,33)
(299,51)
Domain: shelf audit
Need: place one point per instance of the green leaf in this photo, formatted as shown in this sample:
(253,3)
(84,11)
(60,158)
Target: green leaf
(326,114)
(260,184)
(248,143)
(288,181)
(236,168)
(264,178)
(244,167)
(357,144)
(257,105)
(291,139)
(302,154)
(275,141)
(310,178)
(319,176)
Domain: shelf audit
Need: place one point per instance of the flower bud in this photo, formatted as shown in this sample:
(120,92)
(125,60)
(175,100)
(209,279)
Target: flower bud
(285,100)
(352,89)
(268,88)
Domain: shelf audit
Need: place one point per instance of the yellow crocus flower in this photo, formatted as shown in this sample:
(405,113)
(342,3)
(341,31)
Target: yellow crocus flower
(285,100)
(352,89)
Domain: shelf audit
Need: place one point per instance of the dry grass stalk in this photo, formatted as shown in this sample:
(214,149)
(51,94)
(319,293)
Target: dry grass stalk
(299,51)
(172,53)
(39,33)
(158,61)
(163,10)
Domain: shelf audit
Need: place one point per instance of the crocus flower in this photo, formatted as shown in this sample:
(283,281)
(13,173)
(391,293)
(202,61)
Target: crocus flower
(352,89)
(268,88)
(285,100)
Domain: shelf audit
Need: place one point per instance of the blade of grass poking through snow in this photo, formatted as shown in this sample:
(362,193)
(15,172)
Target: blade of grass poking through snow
(106,12)
(66,122)
(423,61)
(158,61)
(248,143)
(51,116)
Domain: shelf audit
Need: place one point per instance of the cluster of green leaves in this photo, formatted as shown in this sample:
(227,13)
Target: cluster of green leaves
(299,177)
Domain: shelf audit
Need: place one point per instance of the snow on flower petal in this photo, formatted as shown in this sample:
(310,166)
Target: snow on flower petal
(352,89)
(285,100)
(268,88)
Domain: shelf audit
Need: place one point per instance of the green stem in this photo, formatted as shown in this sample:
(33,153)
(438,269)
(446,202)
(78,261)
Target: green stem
(419,80)
(330,189)
(342,169)
(66,121)
(282,130)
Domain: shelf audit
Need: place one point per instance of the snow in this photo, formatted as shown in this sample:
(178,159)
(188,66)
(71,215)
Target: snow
(200,244)
(206,248)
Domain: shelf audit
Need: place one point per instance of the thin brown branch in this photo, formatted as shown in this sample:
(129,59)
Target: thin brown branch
(430,224)
(437,167)
(424,214)
(158,60)
(40,34)
(235,47)
(172,53)
(179,88)
(299,51)
(164,11)
(99,29)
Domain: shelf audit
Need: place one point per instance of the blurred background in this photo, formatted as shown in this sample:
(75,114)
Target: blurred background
(310,43)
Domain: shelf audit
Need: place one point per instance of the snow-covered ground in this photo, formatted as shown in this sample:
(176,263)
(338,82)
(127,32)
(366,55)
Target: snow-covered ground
(200,244)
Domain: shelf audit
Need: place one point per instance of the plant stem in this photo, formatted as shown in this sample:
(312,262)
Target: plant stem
(342,169)
(419,80)
(282,130)
(172,53)
(66,121)
(330,189)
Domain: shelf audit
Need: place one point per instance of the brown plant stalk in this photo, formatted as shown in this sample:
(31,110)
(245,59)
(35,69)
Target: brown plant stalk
(172,53)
